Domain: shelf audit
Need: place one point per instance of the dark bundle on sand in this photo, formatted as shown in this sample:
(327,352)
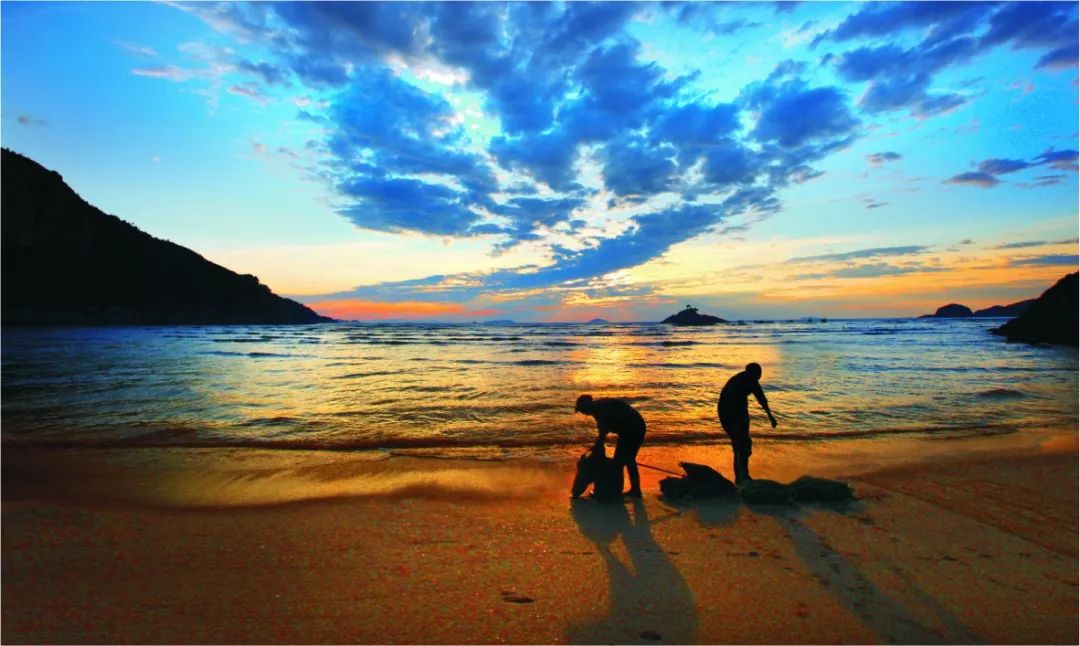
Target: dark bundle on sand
(700,482)
(703,482)
(805,489)
(596,469)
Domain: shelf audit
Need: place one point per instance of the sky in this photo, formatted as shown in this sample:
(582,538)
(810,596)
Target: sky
(564,162)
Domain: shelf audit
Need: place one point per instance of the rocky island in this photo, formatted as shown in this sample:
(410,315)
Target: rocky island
(690,316)
(65,262)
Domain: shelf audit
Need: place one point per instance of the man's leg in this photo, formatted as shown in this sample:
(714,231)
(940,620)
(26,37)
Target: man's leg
(626,455)
(745,449)
(729,427)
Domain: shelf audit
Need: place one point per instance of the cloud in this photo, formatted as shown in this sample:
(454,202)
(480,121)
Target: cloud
(705,16)
(249,91)
(27,120)
(267,72)
(1060,159)
(138,50)
(582,117)
(167,72)
(1052,259)
(1043,180)
(953,33)
(1034,243)
(791,114)
(634,167)
(877,159)
(1058,59)
(874,270)
(1002,166)
(989,169)
(729,163)
(874,252)
(886,19)
(981,179)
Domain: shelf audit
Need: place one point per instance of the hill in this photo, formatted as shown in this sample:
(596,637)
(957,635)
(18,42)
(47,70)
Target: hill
(954,310)
(950,311)
(1052,318)
(1016,309)
(65,262)
(690,316)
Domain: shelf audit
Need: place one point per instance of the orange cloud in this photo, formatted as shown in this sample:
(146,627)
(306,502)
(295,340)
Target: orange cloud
(356,309)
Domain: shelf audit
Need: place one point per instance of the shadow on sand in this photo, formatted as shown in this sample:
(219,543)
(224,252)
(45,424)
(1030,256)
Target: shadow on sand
(649,601)
(843,579)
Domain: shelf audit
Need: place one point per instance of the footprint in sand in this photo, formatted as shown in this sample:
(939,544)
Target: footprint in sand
(513,597)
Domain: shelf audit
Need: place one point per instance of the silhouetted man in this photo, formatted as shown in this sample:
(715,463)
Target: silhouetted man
(618,417)
(735,417)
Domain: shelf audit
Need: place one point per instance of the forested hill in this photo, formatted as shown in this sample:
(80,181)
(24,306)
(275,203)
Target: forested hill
(65,262)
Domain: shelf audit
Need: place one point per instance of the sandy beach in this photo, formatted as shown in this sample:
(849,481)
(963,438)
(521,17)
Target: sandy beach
(967,542)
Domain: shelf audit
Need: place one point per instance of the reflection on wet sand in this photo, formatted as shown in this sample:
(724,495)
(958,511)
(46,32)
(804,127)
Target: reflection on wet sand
(649,600)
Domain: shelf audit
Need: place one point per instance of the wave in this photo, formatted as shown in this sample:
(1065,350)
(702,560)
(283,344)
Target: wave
(373,373)
(1000,393)
(696,364)
(505,439)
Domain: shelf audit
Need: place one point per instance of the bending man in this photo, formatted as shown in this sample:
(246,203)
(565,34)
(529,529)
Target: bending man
(735,416)
(618,417)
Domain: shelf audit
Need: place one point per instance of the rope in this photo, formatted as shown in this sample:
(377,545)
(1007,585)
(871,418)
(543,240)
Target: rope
(648,466)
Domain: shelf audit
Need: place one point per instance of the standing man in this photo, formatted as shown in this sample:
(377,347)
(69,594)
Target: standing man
(735,418)
(618,417)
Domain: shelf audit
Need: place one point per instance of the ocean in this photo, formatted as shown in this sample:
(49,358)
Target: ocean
(505,391)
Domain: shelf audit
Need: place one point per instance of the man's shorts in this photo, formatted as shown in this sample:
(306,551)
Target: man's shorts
(626,448)
(737,426)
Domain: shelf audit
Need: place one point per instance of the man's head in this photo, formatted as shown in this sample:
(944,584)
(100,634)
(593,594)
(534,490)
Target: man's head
(754,370)
(584,404)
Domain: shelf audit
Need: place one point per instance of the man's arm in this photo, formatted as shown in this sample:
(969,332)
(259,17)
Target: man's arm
(603,428)
(759,394)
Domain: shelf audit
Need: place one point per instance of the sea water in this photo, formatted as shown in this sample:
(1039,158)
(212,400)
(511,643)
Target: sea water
(498,391)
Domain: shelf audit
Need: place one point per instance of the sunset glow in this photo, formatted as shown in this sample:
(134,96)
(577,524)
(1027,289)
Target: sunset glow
(542,162)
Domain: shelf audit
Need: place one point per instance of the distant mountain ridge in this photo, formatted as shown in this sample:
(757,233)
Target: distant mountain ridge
(955,310)
(65,262)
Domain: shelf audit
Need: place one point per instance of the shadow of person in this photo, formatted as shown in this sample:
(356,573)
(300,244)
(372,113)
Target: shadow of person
(879,612)
(649,601)
(708,512)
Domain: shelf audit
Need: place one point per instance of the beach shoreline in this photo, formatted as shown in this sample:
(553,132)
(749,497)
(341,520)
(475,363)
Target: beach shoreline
(969,540)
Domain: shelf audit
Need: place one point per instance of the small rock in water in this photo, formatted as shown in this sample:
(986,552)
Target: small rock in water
(651,634)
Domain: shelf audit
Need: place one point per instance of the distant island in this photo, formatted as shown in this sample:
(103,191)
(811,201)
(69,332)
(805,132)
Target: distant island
(65,262)
(499,322)
(598,322)
(1051,318)
(690,316)
(955,311)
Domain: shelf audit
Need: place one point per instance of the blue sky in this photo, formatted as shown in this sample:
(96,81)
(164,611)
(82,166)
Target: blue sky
(544,161)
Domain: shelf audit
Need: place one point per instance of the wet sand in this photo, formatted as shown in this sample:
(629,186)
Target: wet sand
(967,543)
